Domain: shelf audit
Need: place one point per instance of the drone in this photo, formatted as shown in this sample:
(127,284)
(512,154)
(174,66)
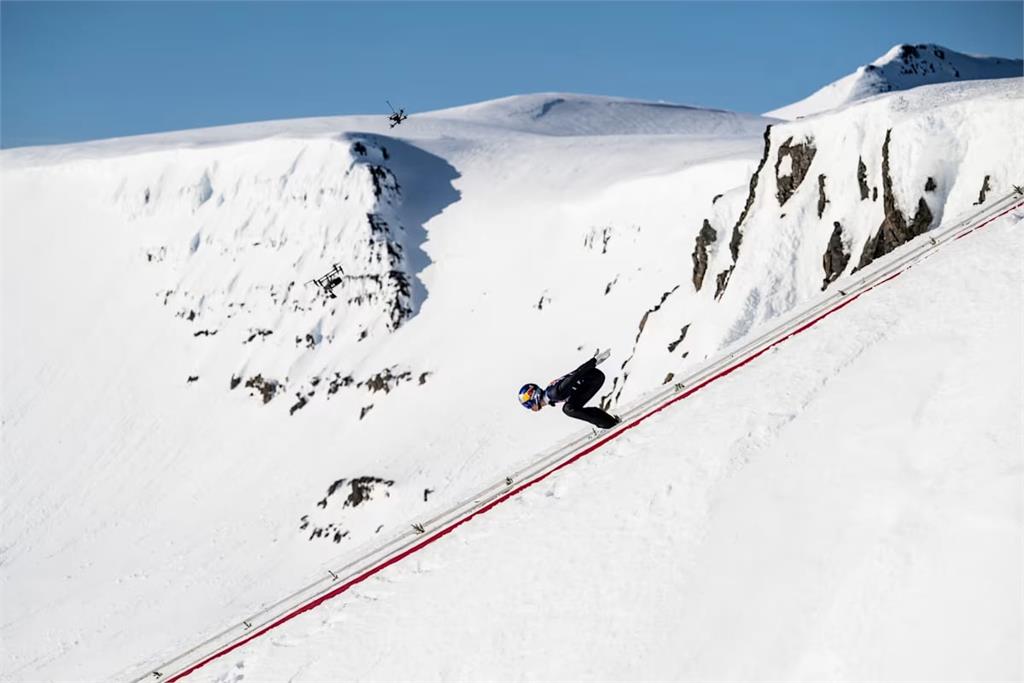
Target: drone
(396,116)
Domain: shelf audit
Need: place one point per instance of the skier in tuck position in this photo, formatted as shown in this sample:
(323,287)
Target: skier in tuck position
(574,390)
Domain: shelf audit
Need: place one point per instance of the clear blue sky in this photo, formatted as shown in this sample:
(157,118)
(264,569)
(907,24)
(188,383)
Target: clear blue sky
(77,71)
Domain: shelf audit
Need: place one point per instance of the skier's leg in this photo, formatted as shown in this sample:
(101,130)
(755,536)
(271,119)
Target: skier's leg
(585,389)
(594,416)
(586,386)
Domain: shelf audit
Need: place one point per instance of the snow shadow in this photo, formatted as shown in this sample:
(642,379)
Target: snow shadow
(426,189)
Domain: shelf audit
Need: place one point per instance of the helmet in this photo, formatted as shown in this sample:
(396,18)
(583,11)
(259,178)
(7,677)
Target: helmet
(531,396)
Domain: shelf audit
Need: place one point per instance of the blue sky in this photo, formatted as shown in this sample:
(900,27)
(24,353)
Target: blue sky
(78,71)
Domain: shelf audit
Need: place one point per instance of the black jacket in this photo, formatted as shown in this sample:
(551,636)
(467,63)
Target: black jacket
(561,389)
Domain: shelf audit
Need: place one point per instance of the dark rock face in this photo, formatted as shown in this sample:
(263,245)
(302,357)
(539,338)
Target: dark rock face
(604,236)
(862,179)
(358,491)
(706,236)
(895,229)
(930,185)
(672,346)
(618,383)
(299,404)
(737,235)
(267,388)
(985,189)
(822,199)
(722,281)
(801,155)
(338,382)
(385,380)
(835,258)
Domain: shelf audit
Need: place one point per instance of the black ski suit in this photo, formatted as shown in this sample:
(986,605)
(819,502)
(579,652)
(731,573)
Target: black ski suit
(575,389)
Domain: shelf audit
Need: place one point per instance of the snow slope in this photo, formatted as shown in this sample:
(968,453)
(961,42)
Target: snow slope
(190,429)
(901,68)
(845,508)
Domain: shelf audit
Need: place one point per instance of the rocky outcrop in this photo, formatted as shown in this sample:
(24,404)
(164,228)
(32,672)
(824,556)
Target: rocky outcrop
(800,157)
(722,281)
(862,179)
(705,237)
(835,258)
(385,380)
(985,189)
(737,234)
(620,382)
(267,388)
(355,492)
(682,335)
(822,199)
(895,229)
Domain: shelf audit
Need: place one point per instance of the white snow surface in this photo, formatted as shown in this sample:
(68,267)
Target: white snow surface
(182,412)
(902,67)
(846,508)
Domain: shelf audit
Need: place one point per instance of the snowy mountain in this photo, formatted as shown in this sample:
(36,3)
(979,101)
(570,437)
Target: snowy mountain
(192,427)
(901,68)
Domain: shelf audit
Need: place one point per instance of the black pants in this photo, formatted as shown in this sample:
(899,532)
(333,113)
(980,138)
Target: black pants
(583,389)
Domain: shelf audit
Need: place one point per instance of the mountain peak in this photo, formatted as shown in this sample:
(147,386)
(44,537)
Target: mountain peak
(903,67)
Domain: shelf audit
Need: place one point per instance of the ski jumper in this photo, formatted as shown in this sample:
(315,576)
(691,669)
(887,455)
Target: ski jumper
(575,389)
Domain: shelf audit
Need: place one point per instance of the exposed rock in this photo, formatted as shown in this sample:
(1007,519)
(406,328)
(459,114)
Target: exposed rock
(357,492)
(616,383)
(385,381)
(235,381)
(722,281)
(192,378)
(364,410)
(985,189)
(682,335)
(862,179)
(423,377)
(801,155)
(930,186)
(668,378)
(737,235)
(874,194)
(338,382)
(716,198)
(706,236)
(822,199)
(257,333)
(895,230)
(383,179)
(835,258)
(605,235)
(303,400)
(360,489)
(266,387)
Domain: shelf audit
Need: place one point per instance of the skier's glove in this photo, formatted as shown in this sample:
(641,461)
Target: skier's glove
(602,356)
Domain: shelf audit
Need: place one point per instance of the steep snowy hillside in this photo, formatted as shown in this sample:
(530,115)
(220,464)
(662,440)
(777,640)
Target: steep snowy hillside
(192,427)
(845,508)
(901,68)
